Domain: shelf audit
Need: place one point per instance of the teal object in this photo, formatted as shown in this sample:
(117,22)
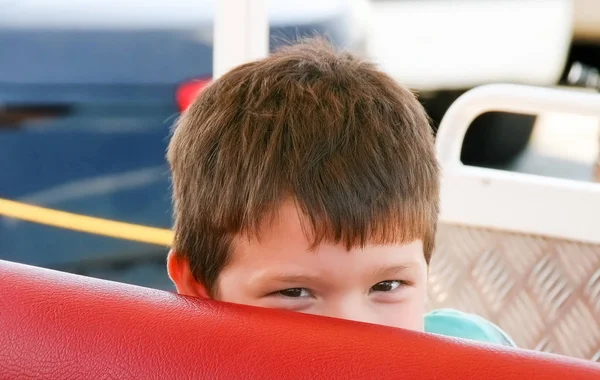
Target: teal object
(457,324)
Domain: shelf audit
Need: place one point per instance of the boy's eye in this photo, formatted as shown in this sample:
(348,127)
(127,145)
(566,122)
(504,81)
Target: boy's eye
(386,286)
(295,292)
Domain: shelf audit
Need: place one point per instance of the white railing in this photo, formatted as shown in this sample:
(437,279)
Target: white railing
(518,202)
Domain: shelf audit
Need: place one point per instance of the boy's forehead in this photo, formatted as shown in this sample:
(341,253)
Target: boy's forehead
(283,220)
(280,260)
(284,241)
(287,224)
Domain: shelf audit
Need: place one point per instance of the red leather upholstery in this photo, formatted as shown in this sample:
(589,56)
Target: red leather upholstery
(59,326)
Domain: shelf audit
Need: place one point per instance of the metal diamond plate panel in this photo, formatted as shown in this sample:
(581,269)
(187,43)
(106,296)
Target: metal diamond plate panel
(545,293)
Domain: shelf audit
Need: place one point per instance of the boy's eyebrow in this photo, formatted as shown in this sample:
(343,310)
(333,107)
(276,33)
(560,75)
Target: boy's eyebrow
(391,270)
(388,270)
(285,277)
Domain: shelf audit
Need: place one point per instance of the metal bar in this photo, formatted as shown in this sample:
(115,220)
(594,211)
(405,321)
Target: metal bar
(241,34)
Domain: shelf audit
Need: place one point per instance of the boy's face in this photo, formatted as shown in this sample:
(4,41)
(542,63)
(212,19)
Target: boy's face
(384,285)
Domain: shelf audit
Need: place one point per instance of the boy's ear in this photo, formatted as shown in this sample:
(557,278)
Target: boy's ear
(179,271)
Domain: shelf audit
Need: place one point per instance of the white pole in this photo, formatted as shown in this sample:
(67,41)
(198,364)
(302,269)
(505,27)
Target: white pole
(241,33)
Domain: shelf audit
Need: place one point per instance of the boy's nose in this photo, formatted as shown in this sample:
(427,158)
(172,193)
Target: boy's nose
(352,310)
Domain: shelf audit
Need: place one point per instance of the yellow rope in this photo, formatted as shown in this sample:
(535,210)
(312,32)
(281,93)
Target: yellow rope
(83,223)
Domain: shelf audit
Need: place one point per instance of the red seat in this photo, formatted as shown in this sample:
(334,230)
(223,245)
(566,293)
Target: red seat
(60,326)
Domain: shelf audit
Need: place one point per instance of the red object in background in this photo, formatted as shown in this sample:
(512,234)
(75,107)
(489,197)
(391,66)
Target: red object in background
(56,325)
(187,92)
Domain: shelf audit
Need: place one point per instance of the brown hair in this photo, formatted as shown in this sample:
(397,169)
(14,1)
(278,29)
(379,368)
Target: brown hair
(349,145)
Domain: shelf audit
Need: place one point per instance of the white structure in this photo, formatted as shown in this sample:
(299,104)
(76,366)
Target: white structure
(514,201)
(241,34)
(519,249)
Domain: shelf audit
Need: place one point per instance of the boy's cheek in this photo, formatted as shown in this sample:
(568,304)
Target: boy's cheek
(408,315)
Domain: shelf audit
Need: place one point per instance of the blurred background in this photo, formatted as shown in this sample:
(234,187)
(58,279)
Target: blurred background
(89,91)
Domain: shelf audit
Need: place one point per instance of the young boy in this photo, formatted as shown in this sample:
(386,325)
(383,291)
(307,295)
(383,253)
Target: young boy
(308,181)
